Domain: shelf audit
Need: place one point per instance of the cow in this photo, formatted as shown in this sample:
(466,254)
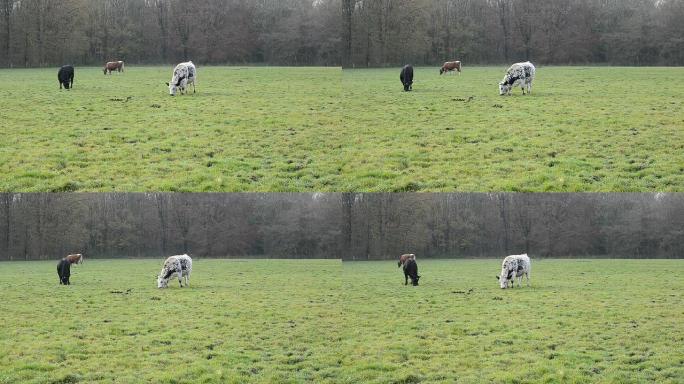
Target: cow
(113,65)
(521,73)
(180,265)
(64,267)
(450,66)
(76,258)
(403,258)
(411,270)
(183,75)
(514,266)
(66,76)
(406,77)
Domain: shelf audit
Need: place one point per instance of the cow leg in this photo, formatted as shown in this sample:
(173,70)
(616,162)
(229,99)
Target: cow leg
(405,278)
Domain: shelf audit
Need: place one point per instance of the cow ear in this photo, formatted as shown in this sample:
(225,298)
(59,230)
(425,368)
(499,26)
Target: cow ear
(497,277)
(167,84)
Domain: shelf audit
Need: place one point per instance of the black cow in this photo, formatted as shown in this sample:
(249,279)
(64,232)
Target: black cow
(64,271)
(66,76)
(406,77)
(411,270)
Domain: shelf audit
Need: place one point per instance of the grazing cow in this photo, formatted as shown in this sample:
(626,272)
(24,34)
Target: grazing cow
(514,266)
(450,66)
(183,75)
(66,76)
(411,270)
(64,267)
(403,258)
(113,66)
(522,73)
(76,258)
(180,265)
(406,77)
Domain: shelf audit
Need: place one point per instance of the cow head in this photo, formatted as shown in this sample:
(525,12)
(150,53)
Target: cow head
(172,89)
(506,276)
(415,281)
(162,282)
(180,83)
(504,88)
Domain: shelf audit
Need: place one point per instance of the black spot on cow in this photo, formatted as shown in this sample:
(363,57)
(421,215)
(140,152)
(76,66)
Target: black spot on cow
(169,273)
(66,76)
(411,270)
(512,79)
(180,79)
(406,77)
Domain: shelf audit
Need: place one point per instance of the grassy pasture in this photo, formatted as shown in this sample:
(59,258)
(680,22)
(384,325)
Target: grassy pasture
(600,321)
(324,129)
(582,129)
(299,321)
(261,321)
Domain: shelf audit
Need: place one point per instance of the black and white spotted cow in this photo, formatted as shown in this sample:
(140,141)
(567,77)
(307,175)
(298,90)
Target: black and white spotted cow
(514,266)
(183,75)
(521,73)
(180,265)
(406,77)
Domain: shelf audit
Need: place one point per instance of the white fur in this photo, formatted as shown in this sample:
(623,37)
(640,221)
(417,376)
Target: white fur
(510,266)
(187,72)
(518,71)
(175,264)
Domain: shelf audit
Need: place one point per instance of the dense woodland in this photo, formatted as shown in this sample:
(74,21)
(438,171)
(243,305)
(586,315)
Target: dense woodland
(623,32)
(333,32)
(53,32)
(348,226)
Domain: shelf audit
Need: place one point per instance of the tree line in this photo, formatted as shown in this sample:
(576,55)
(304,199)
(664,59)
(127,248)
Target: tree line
(348,226)
(622,32)
(35,33)
(353,33)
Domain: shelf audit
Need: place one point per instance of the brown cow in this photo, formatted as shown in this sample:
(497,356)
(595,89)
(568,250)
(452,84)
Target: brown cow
(75,258)
(449,66)
(404,258)
(113,65)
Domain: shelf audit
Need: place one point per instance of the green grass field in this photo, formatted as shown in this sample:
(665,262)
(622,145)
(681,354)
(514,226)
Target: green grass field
(324,129)
(261,321)
(598,321)
(313,321)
